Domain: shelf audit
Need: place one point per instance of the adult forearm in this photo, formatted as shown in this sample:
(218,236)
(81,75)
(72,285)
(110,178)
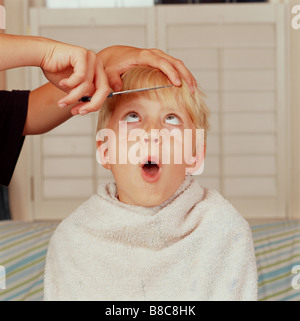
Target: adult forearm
(19,51)
(43,113)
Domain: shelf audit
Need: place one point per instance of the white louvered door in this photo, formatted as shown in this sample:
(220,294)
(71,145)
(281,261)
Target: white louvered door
(237,54)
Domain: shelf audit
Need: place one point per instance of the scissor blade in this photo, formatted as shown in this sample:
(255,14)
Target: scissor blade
(136,90)
(87,98)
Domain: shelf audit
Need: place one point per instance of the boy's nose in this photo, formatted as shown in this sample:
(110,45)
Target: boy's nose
(154,139)
(152,132)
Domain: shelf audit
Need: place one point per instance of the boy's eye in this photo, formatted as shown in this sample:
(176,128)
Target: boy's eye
(132,118)
(172,119)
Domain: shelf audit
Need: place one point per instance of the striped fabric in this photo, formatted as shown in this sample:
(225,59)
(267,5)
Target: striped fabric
(23,248)
(277,250)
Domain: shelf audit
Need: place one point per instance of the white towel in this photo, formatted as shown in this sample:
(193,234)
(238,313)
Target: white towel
(195,246)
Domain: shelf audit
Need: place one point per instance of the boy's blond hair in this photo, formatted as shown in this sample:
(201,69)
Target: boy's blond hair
(173,97)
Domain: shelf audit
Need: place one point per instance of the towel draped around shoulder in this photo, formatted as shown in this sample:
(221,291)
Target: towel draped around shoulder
(195,246)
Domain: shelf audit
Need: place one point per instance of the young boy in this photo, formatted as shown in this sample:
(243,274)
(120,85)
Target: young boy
(153,234)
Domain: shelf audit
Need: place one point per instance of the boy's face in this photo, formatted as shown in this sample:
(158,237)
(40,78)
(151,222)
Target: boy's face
(151,184)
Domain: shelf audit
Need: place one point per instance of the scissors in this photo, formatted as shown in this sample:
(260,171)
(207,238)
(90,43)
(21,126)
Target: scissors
(88,98)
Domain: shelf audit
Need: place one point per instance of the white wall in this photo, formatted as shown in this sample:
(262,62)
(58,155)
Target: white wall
(295,114)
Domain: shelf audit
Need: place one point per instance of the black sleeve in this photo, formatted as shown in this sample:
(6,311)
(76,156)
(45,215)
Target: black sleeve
(13,113)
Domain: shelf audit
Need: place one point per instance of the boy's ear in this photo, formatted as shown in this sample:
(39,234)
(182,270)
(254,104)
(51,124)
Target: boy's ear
(197,167)
(102,154)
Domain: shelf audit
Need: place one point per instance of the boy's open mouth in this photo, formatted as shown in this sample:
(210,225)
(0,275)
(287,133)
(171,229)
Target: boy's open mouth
(151,168)
(150,171)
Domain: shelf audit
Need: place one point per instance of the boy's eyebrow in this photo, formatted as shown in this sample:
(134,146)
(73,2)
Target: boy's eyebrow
(132,104)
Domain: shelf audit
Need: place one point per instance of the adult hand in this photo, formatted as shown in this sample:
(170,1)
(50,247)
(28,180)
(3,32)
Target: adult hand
(73,69)
(118,59)
(78,72)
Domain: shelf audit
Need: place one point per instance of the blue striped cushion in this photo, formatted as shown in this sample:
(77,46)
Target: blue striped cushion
(23,248)
(277,250)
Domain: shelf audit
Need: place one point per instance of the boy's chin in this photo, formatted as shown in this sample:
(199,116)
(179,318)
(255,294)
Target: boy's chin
(151,200)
